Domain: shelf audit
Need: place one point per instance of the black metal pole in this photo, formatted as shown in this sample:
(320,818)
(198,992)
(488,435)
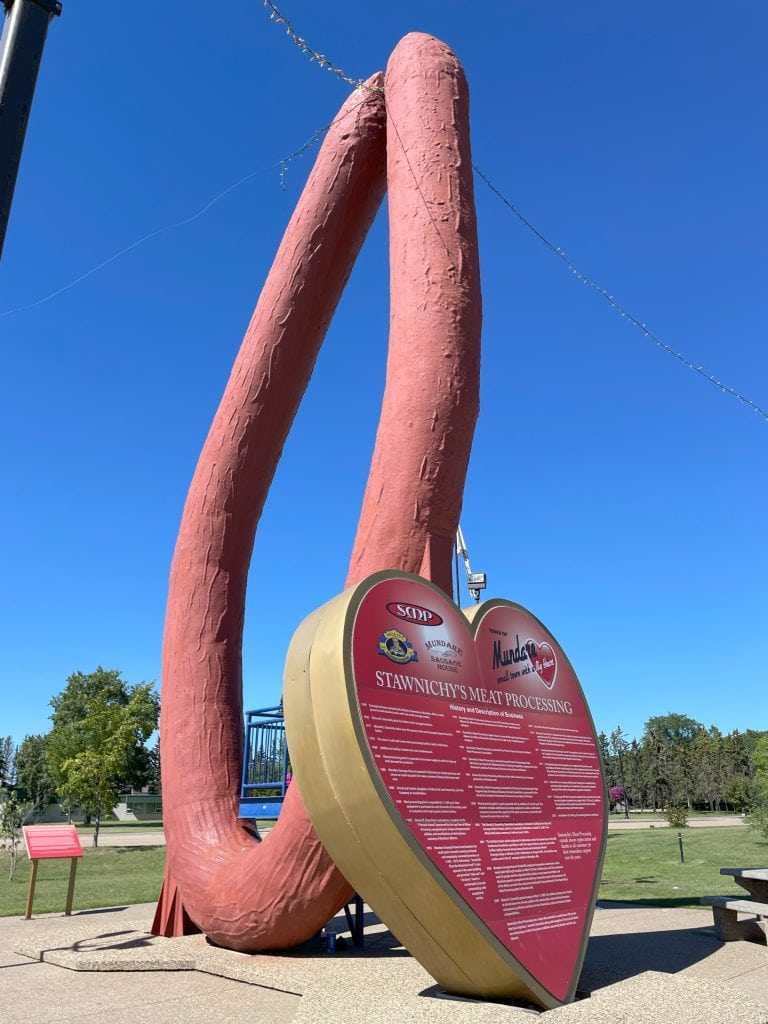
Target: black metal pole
(21,50)
(623,783)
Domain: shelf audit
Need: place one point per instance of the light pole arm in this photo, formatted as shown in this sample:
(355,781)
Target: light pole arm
(21,50)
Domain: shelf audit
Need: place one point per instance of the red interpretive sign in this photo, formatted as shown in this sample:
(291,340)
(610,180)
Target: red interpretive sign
(44,841)
(483,740)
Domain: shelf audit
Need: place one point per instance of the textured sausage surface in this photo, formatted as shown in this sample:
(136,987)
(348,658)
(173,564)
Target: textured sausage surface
(272,895)
(413,499)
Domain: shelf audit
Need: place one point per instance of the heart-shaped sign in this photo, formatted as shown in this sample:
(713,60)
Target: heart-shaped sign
(543,661)
(450,766)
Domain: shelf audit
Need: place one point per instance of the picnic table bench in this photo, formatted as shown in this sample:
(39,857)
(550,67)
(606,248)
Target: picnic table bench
(726,909)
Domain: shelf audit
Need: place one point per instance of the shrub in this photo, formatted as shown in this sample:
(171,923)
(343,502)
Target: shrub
(758,819)
(677,816)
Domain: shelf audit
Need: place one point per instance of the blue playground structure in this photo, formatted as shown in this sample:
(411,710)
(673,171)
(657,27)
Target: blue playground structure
(266,776)
(266,765)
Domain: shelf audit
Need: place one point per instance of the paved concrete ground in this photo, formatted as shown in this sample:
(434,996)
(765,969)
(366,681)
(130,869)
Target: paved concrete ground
(618,824)
(37,992)
(101,967)
(131,837)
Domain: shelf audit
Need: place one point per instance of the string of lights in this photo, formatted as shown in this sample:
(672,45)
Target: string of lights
(277,15)
(283,163)
(580,276)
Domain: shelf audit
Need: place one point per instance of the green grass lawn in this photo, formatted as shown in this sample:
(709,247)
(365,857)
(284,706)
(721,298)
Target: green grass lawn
(640,867)
(644,866)
(108,877)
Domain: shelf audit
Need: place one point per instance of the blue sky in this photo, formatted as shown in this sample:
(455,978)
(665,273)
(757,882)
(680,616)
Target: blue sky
(613,492)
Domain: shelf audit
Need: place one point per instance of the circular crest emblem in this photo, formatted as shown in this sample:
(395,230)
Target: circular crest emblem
(395,645)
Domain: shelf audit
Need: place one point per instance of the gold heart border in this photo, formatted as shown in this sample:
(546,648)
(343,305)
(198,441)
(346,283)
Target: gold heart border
(363,831)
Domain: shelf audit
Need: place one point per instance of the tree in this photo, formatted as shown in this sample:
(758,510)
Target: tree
(33,775)
(759,817)
(751,737)
(155,780)
(680,762)
(619,746)
(673,729)
(657,764)
(97,744)
(609,761)
(7,770)
(707,751)
(739,792)
(13,813)
(635,775)
(75,702)
(667,741)
(617,796)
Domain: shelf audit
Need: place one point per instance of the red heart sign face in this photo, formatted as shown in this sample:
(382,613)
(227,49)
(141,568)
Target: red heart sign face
(456,781)
(543,662)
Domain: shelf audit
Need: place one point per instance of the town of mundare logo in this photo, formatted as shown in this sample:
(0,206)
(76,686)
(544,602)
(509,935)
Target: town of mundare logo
(541,656)
(395,645)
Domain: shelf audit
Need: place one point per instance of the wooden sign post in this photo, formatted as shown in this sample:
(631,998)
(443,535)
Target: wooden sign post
(46,842)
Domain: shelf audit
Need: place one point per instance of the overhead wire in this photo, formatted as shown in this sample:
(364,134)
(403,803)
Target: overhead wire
(277,15)
(418,186)
(580,276)
(282,164)
(133,245)
(324,62)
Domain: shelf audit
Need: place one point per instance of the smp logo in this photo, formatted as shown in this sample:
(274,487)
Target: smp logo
(414,613)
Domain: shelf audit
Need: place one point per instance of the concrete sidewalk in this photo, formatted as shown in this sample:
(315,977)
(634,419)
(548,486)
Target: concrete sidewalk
(156,837)
(618,824)
(102,967)
(131,837)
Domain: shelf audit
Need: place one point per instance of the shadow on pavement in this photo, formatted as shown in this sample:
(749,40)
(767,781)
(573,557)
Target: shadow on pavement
(100,910)
(617,957)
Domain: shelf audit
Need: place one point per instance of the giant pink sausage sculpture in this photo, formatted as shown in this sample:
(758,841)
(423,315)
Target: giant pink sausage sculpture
(243,894)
